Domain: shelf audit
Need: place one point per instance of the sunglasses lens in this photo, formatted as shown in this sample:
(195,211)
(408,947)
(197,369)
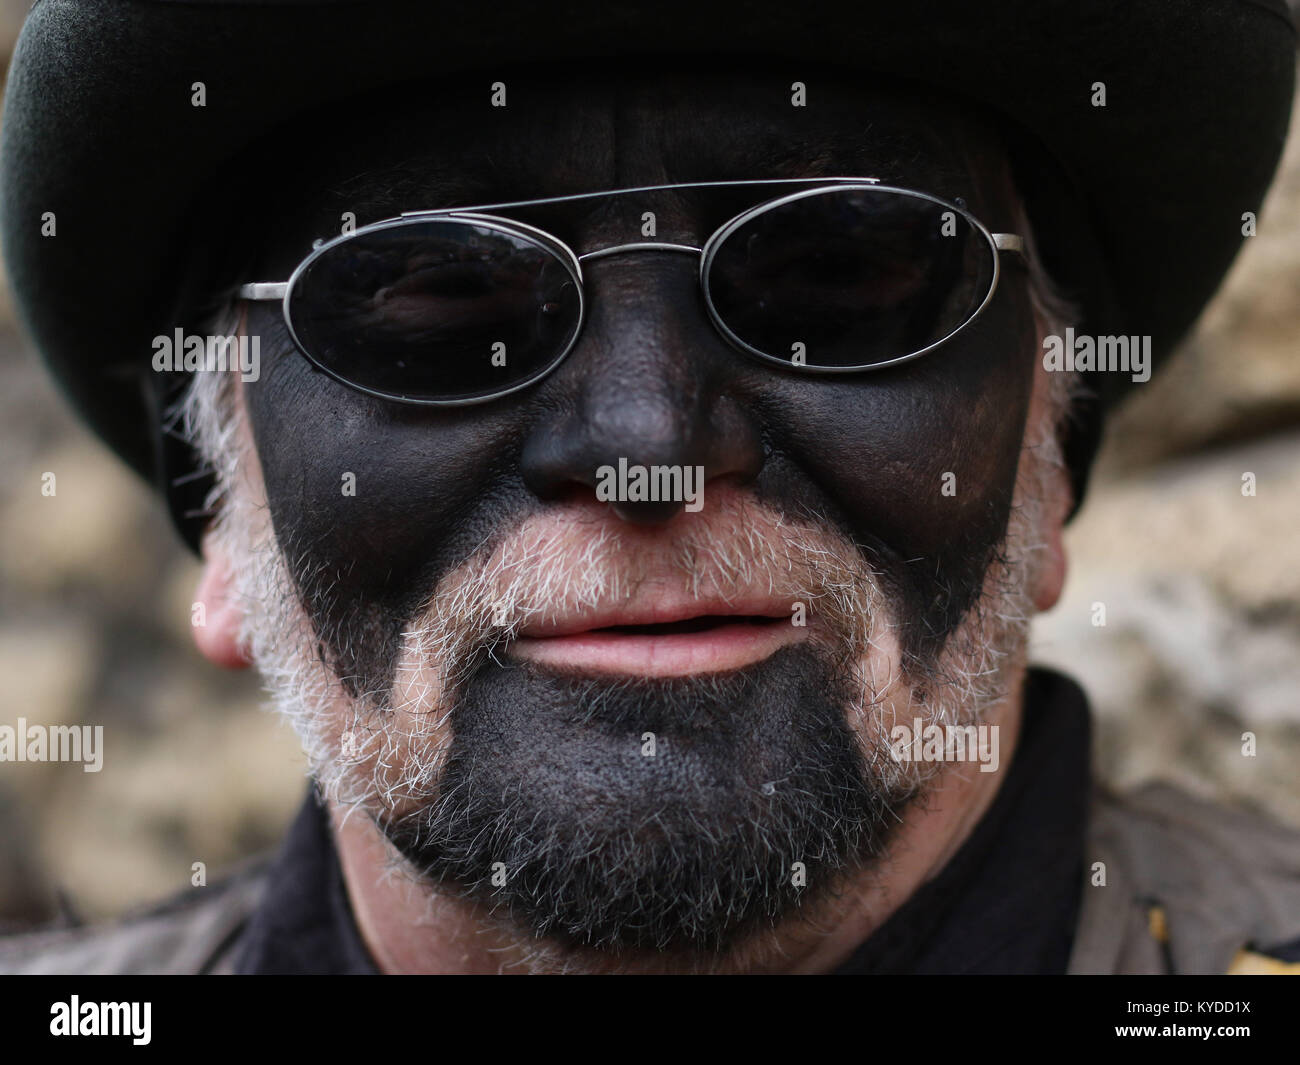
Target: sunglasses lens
(849,277)
(436,309)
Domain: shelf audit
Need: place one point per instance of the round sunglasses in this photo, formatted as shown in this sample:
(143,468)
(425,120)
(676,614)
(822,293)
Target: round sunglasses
(464,305)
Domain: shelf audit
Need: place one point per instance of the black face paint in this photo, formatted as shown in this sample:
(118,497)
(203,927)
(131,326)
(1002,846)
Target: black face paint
(650,380)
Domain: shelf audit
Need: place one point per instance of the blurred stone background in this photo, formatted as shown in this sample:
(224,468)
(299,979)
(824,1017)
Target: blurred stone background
(95,596)
(1201,588)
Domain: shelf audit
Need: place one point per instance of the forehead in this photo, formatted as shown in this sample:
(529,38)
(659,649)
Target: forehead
(440,144)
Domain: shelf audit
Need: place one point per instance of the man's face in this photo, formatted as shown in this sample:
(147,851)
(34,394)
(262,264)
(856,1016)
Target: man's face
(652,786)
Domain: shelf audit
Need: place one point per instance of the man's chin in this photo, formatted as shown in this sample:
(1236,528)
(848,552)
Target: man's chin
(671,814)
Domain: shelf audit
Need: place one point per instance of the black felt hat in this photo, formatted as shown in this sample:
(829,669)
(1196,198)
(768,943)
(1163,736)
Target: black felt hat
(1137,204)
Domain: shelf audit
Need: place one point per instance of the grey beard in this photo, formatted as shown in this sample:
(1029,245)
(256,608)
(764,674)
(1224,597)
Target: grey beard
(680,815)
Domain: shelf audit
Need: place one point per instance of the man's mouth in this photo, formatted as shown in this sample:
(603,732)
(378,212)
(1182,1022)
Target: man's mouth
(666,640)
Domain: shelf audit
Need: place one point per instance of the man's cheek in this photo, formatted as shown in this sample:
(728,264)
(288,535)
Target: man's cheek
(957,438)
(910,469)
(921,462)
(374,500)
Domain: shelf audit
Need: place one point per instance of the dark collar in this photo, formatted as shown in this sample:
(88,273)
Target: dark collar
(1008,900)
(1005,903)
(304,923)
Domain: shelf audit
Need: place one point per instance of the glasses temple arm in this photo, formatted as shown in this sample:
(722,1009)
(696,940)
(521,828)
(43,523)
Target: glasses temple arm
(264,290)
(1009,242)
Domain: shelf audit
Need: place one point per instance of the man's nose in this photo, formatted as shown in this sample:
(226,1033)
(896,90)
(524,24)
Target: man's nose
(643,388)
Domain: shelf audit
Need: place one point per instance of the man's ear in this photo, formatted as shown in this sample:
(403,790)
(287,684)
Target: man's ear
(1049,577)
(1055,488)
(217,616)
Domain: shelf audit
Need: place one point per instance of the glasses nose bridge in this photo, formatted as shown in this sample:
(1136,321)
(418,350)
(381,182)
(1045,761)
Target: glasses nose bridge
(640,245)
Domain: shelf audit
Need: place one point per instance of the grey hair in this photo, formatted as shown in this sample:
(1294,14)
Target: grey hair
(1054,312)
(203,414)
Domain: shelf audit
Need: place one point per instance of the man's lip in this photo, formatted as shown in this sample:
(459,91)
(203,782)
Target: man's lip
(663,612)
(731,635)
(728,646)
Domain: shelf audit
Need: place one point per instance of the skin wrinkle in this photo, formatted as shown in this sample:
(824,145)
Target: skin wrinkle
(857,460)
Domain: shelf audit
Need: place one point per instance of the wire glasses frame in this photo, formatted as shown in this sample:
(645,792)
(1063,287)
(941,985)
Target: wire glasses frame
(483,216)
